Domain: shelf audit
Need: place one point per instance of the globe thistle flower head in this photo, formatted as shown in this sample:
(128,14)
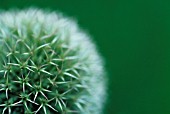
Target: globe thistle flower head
(48,65)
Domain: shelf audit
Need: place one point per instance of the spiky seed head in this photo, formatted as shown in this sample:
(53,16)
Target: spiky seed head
(48,65)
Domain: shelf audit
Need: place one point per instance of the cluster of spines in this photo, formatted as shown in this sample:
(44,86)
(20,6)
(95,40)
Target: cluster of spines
(39,75)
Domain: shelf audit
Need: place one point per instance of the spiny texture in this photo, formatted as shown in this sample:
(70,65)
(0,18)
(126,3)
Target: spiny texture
(47,66)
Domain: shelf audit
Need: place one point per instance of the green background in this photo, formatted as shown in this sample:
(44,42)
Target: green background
(133,36)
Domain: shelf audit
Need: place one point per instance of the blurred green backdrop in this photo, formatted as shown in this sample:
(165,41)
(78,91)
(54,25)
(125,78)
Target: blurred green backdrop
(134,38)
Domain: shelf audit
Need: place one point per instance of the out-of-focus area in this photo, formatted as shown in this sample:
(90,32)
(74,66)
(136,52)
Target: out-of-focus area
(133,36)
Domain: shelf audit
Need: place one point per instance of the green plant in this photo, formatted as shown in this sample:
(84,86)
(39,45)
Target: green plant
(47,65)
